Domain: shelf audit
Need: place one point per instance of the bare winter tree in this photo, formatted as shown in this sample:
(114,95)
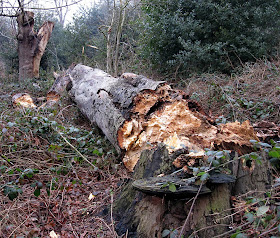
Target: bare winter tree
(62,8)
(113,33)
(31,44)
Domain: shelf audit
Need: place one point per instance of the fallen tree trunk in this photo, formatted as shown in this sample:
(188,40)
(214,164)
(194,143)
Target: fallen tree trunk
(136,113)
(138,116)
(163,134)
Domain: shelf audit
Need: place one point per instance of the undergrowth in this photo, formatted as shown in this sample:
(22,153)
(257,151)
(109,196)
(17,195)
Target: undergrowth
(251,95)
(57,174)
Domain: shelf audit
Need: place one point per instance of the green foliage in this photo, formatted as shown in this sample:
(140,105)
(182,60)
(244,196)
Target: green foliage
(27,125)
(171,186)
(209,35)
(12,191)
(70,44)
(274,154)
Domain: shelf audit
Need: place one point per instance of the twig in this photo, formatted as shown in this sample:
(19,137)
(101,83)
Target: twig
(112,220)
(267,232)
(20,225)
(100,219)
(75,234)
(74,148)
(228,232)
(207,227)
(185,223)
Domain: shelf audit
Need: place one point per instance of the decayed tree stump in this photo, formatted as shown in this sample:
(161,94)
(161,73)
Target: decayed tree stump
(31,45)
(146,213)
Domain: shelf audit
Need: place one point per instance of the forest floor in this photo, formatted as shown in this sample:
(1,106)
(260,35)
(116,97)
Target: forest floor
(59,176)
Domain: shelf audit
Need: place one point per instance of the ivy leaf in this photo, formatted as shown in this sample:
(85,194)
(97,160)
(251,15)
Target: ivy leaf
(253,141)
(12,191)
(204,177)
(210,159)
(265,145)
(172,187)
(262,210)
(274,154)
(37,192)
(201,173)
(216,163)
(174,234)
(195,171)
(165,233)
(250,217)
(241,235)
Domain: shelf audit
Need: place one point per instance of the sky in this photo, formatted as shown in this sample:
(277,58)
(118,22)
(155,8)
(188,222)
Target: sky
(12,5)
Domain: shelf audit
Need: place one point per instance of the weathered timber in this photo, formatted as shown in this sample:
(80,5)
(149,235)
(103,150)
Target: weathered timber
(159,186)
(31,45)
(148,212)
(145,215)
(135,113)
(252,177)
(158,130)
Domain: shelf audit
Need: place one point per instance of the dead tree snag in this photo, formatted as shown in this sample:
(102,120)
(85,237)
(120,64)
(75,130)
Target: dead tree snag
(31,45)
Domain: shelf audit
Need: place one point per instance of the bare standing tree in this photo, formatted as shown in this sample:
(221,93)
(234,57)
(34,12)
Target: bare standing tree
(117,13)
(31,44)
(62,8)
(121,19)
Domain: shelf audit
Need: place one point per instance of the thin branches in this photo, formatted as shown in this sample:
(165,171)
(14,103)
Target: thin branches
(23,7)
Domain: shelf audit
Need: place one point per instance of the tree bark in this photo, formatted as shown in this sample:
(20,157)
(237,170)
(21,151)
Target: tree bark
(31,45)
(136,113)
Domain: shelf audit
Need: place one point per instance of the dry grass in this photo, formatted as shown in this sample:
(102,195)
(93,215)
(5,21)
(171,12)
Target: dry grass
(252,95)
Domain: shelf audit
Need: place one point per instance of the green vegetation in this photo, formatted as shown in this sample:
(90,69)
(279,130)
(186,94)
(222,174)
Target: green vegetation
(54,157)
(222,53)
(209,36)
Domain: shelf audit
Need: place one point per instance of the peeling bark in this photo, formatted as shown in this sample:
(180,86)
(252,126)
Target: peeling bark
(135,113)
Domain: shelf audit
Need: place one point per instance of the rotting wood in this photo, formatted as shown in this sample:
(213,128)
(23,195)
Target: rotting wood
(145,215)
(24,100)
(135,113)
(138,116)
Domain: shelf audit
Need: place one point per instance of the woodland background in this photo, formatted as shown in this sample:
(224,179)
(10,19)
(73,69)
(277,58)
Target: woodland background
(225,54)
